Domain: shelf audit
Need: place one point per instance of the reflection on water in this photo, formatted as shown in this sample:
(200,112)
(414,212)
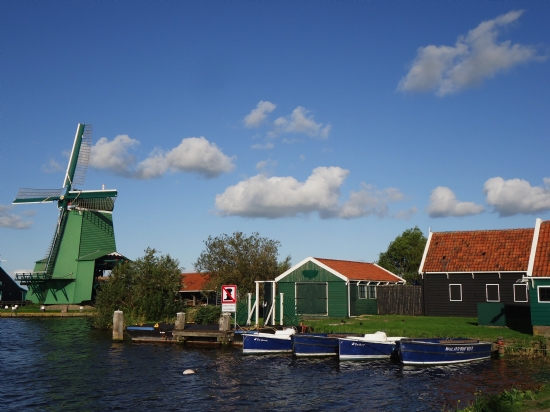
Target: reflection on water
(53,364)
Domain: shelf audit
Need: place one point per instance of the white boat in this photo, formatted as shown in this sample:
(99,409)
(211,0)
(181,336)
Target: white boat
(370,346)
(262,343)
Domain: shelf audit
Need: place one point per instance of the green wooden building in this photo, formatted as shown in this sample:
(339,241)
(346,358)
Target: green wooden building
(333,288)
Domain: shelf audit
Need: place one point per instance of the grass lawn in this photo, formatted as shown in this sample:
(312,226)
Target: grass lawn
(422,327)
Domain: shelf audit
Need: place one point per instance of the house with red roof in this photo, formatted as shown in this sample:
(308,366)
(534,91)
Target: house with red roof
(334,288)
(194,291)
(508,266)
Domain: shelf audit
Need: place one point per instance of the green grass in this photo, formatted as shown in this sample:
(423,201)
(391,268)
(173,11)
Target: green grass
(422,327)
(536,398)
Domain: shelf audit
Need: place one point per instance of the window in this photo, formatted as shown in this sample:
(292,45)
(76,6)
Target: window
(544,294)
(372,292)
(362,291)
(492,293)
(520,292)
(455,293)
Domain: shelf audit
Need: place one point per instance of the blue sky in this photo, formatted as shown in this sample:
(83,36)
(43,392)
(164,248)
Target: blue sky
(331,126)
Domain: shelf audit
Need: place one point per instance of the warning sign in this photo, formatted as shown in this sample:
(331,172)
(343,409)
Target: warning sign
(229,298)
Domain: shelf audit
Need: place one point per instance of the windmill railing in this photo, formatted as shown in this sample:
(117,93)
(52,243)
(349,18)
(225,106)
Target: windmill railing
(26,278)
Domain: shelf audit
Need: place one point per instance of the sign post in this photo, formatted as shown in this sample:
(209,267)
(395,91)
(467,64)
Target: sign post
(229,298)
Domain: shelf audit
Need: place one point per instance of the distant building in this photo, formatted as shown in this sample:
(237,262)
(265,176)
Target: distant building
(193,289)
(10,291)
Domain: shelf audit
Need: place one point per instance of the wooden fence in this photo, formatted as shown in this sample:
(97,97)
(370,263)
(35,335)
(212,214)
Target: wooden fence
(400,300)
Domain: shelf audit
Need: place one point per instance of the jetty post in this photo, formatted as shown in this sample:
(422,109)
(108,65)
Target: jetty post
(118,325)
(225,321)
(180,321)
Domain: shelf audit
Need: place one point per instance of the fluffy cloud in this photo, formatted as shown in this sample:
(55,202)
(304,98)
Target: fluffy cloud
(192,155)
(259,114)
(369,201)
(474,58)
(299,121)
(443,203)
(276,197)
(517,196)
(10,220)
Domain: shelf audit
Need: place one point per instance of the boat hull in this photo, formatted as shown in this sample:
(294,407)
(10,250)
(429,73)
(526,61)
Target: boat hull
(357,349)
(315,345)
(263,343)
(442,351)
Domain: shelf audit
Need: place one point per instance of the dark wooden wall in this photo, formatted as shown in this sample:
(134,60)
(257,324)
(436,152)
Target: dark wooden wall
(400,300)
(436,292)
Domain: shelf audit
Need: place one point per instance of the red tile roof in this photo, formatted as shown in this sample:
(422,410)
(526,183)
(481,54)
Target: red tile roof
(360,270)
(542,256)
(479,251)
(194,281)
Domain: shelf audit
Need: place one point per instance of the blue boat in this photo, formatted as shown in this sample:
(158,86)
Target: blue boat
(322,344)
(440,351)
(264,343)
(370,346)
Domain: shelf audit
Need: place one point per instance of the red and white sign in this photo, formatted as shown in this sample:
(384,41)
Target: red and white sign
(229,298)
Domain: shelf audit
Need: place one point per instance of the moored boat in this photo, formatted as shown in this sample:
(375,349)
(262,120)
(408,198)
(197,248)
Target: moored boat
(264,343)
(440,351)
(370,346)
(318,344)
(151,332)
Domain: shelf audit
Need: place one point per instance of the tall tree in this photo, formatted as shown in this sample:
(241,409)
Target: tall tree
(240,260)
(146,289)
(404,255)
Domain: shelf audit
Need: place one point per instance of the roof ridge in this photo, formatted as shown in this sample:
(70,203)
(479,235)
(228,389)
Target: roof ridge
(485,230)
(343,260)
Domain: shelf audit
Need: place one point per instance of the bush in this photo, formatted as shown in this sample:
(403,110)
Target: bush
(209,314)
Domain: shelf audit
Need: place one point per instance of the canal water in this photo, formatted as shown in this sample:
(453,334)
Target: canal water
(65,364)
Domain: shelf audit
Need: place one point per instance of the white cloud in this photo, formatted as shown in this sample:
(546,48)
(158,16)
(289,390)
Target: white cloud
(266,167)
(276,197)
(12,221)
(256,117)
(300,122)
(474,58)
(517,196)
(192,155)
(443,203)
(369,201)
(266,146)
(52,167)
(113,155)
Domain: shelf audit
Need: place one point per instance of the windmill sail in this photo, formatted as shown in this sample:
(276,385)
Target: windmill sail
(80,156)
(26,195)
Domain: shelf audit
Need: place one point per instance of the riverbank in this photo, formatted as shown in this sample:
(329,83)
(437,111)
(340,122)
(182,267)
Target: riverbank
(517,400)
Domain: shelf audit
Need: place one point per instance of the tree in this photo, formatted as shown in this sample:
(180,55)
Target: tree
(404,255)
(146,289)
(240,260)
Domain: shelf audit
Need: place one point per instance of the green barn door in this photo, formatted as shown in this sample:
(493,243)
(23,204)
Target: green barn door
(311,298)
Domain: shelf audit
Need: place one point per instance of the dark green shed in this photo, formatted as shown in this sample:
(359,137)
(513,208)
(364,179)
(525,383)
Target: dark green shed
(333,288)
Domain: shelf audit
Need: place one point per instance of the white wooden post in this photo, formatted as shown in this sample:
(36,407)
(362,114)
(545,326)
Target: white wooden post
(256,303)
(249,309)
(282,297)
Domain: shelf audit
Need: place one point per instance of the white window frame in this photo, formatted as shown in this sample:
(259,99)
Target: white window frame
(538,293)
(450,295)
(487,292)
(371,288)
(364,288)
(526,292)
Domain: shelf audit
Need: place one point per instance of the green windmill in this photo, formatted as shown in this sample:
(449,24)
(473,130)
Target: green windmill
(83,246)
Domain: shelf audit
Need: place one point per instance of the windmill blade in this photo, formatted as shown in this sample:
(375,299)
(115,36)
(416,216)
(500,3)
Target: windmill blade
(80,156)
(26,195)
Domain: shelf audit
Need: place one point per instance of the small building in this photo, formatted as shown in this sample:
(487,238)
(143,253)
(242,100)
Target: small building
(193,289)
(10,291)
(510,266)
(334,288)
